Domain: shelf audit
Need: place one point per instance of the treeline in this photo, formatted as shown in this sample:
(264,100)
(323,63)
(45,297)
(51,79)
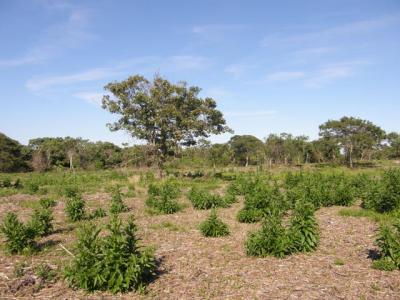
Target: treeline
(343,141)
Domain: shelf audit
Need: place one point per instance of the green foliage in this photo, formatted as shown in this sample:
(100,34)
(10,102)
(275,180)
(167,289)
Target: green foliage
(117,205)
(213,226)
(98,213)
(114,263)
(384,194)
(47,203)
(303,231)
(388,241)
(384,264)
(41,221)
(19,237)
(162,197)
(71,191)
(271,240)
(249,215)
(202,199)
(260,199)
(12,155)
(320,189)
(45,272)
(75,208)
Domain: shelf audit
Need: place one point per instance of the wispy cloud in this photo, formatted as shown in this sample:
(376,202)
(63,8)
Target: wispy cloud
(357,27)
(54,40)
(146,64)
(90,97)
(285,75)
(258,113)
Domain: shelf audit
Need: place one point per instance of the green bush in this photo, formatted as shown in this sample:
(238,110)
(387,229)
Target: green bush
(384,194)
(271,240)
(117,205)
(249,215)
(114,263)
(388,241)
(162,197)
(202,199)
(75,208)
(98,213)
(19,237)
(213,226)
(260,200)
(71,191)
(41,221)
(303,231)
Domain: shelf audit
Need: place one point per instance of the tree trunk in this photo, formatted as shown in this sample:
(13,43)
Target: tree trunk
(351,156)
(247,160)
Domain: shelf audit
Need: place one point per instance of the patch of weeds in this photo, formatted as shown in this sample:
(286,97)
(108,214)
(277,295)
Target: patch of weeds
(75,208)
(117,205)
(45,273)
(162,197)
(19,269)
(214,226)
(98,213)
(41,221)
(166,225)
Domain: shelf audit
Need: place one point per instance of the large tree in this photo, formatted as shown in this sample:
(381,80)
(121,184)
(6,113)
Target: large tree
(247,149)
(164,114)
(353,135)
(12,155)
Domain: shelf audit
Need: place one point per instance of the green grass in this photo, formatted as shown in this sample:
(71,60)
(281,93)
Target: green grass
(372,215)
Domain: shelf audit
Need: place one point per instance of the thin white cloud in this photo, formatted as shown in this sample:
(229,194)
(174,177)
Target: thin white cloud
(38,84)
(285,75)
(215,33)
(357,27)
(55,39)
(90,97)
(140,64)
(258,113)
(329,73)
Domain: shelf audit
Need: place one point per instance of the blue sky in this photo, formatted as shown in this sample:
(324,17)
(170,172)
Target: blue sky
(272,66)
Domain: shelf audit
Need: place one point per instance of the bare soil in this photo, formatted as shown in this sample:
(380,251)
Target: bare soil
(195,267)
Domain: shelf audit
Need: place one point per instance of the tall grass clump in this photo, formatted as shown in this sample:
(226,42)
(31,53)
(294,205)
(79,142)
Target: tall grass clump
(214,226)
(114,263)
(162,197)
(41,221)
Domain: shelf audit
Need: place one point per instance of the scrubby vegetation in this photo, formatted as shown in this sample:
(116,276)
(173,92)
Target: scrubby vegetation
(388,241)
(117,205)
(213,226)
(114,262)
(202,199)
(75,208)
(162,197)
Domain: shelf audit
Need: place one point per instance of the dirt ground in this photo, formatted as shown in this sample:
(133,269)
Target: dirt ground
(195,267)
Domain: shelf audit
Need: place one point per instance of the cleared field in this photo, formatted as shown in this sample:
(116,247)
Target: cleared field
(189,264)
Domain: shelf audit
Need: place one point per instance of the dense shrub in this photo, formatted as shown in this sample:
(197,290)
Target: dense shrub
(202,199)
(117,205)
(19,237)
(320,189)
(388,241)
(75,208)
(303,231)
(271,240)
(162,197)
(384,194)
(41,221)
(213,226)
(260,200)
(114,262)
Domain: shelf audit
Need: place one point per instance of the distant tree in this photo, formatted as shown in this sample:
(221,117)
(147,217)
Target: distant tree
(353,135)
(247,149)
(220,154)
(164,114)
(393,139)
(12,155)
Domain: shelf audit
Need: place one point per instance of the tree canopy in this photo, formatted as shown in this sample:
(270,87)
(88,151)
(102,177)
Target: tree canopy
(164,114)
(354,135)
(12,155)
